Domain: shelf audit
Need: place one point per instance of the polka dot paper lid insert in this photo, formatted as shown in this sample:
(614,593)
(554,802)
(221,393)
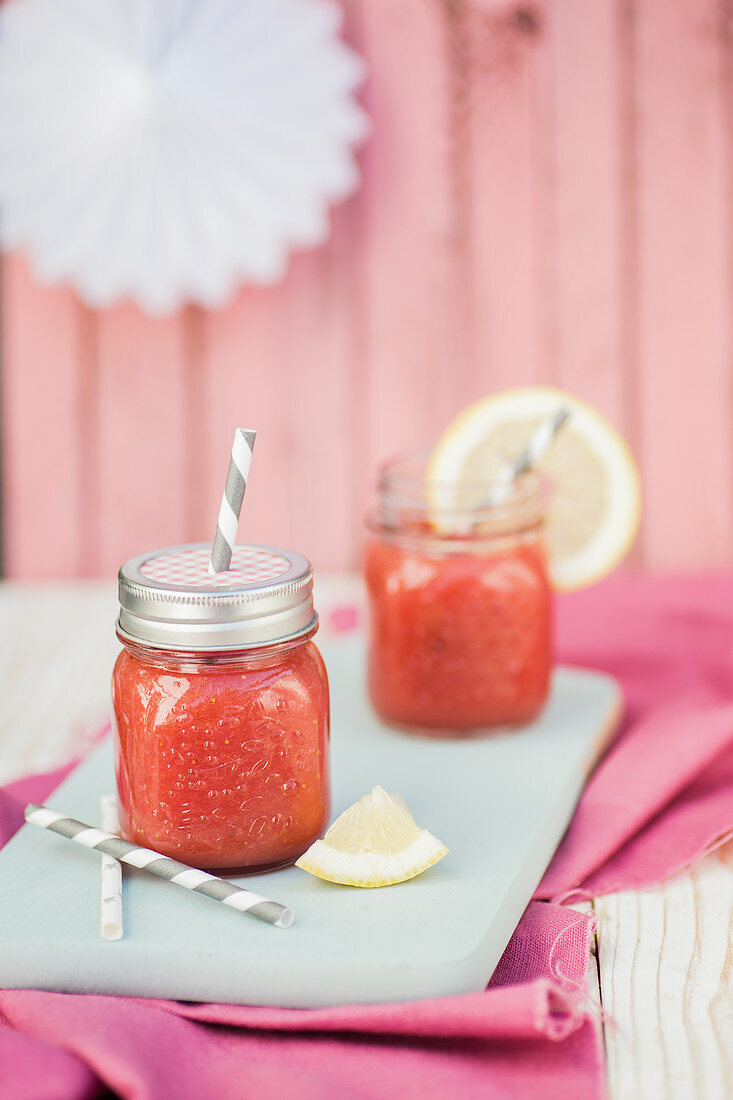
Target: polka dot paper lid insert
(250,565)
(169,599)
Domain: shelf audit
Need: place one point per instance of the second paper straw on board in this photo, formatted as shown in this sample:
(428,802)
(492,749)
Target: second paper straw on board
(111,926)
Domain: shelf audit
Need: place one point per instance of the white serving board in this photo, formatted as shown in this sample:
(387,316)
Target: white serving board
(501,804)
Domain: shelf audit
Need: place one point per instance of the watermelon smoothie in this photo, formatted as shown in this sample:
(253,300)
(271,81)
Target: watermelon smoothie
(460,617)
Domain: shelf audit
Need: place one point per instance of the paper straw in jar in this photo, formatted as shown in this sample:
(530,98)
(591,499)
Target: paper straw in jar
(111,876)
(231,501)
(190,878)
(537,446)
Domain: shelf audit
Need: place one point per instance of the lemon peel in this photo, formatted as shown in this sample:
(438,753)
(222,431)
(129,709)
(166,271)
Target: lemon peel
(375,842)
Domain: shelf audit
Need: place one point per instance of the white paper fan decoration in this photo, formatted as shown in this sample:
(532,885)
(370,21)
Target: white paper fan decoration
(169,150)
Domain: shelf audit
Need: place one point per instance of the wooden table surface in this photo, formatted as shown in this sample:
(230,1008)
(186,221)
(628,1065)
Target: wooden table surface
(664,957)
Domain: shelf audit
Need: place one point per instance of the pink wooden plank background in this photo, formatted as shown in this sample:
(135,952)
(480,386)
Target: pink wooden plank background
(547,197)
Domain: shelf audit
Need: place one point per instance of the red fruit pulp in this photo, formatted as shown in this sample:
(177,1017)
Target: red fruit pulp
(223,765)
(459,642)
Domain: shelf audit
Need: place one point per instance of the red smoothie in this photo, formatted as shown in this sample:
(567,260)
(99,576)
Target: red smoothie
(458,642)
(460,604)
(222,766)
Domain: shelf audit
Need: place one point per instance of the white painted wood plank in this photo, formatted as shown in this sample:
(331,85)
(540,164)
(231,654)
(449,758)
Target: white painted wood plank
(56,655)
(666,961)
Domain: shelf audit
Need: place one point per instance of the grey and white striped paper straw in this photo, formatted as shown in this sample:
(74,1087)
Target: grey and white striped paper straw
(231,501)
(161,866)
(537,446)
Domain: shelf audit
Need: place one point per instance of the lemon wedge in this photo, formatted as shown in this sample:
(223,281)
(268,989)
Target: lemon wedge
(374,843)
(594,509)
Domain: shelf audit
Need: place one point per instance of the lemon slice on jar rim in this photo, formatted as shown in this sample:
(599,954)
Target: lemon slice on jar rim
(594,508)
(375,842)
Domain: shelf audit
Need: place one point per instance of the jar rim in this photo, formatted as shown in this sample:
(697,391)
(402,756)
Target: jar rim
(406,495)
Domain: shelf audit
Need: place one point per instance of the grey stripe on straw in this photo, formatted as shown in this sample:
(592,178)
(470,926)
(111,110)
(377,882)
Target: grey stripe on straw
(190,878)
(231,501)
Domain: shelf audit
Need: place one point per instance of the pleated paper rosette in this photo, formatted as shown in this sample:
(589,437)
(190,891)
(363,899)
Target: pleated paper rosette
(171,150)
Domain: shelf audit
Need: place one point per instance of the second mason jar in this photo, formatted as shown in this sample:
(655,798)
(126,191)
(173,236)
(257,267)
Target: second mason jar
(459,604)
(220,708)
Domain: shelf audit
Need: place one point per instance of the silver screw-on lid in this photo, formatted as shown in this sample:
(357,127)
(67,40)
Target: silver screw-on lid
(169,600)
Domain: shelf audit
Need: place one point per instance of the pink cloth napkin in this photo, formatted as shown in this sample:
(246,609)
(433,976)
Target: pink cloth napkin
(661,798)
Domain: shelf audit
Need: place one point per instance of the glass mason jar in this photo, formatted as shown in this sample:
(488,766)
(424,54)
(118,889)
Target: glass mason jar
(220,708)
(459,604)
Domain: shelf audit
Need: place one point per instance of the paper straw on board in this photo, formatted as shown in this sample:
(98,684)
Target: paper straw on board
(110,925)
(537,446)
(231,501)
(146,860)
